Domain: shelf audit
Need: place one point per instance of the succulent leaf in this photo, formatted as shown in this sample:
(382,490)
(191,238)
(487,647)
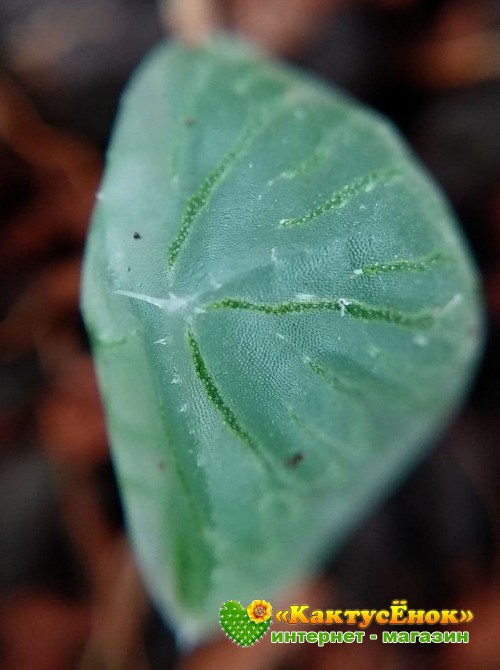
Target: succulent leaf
(283,315)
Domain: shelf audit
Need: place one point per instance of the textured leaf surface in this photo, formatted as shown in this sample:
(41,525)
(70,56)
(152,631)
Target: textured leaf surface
(282,312)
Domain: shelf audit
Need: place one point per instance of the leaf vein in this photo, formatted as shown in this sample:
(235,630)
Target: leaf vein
(362,311)
(215,397)
(341,197)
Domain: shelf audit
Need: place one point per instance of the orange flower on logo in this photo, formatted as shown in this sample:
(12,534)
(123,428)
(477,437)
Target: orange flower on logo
(259,611)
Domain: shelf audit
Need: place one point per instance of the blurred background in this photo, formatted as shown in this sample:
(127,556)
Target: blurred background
(70,596)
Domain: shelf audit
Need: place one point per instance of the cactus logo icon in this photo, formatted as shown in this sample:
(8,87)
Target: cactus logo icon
(245,625)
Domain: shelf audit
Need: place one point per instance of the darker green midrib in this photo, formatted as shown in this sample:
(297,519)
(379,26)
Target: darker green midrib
(321,153)
(273,466)
(200,516)
(199,511)
(250,132)
(215,397)
(417,264)
(358,310)
(340,198)
(199,200)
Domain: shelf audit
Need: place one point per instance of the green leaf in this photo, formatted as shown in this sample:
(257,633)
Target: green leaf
(283,315)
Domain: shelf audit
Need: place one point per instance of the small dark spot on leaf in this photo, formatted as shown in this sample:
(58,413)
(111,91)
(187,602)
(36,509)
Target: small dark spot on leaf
(137,236)
(128,269)
(161,465)
(190,121)
(293,461)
